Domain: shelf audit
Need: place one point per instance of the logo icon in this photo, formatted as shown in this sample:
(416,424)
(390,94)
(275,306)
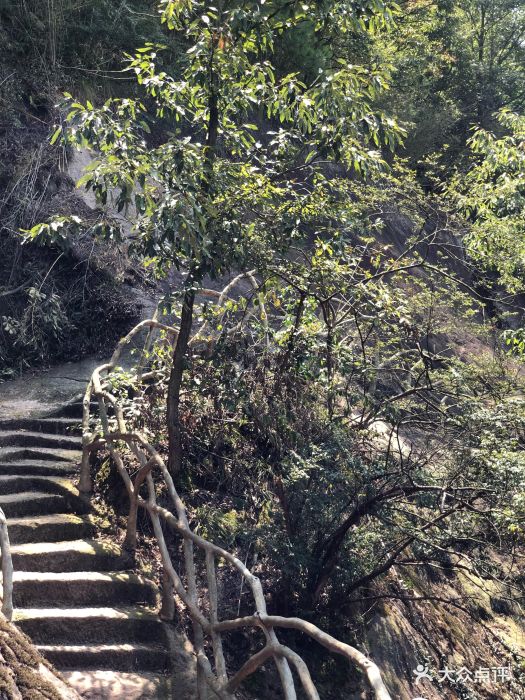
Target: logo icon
(421,673)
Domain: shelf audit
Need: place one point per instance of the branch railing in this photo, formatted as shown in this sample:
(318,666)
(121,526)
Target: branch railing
(115,436)
(7,568)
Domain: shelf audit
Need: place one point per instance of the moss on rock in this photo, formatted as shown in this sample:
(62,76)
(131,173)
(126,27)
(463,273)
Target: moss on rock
(20,663)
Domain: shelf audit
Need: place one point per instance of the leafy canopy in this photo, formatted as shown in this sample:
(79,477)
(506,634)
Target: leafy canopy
(243,169)
(492,194)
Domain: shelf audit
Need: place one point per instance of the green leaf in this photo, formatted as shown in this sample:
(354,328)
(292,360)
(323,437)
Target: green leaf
(56,135)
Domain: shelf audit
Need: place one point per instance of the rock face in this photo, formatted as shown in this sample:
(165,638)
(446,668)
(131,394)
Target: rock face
(483,653)
(94,620)
(23,672)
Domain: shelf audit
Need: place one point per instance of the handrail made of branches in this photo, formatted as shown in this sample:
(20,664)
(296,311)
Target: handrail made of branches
(208,628)
(7,568)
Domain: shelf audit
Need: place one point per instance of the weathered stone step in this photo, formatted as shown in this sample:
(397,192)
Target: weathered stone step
(73,409)
(38,467)
(45,484)
(81,588)
(77,555)
(26,438)
(10,454)
(19,505)
(65,582)
(14,483)
(50,528)
(117,657)
(108,685)
(80,626)
(57,425)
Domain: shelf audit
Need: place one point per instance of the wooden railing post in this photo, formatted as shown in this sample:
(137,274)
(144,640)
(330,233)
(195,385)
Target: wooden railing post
(85,485)
(218,653)
(167,608)
(7,568)
(130,541)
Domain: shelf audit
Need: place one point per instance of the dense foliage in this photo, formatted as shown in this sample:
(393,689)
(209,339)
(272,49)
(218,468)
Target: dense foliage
(332,193)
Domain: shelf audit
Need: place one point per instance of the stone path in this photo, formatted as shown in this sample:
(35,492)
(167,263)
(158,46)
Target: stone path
(96,622)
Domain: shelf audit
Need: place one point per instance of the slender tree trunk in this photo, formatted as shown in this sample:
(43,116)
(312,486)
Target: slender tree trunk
(330,369)
(175,383)
(196,274)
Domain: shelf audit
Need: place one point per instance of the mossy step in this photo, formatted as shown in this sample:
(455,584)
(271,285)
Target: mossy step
(19,505)
(62,486)
(81,588)
(14,483)
(38,468)
(76,555)
(57,527)
(109,685)
(93,625)
(52,454)
(26,438)
(61,426)
(117,657)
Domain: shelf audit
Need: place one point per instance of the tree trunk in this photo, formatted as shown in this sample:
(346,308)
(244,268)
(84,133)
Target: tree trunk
(196,273)
(175,383)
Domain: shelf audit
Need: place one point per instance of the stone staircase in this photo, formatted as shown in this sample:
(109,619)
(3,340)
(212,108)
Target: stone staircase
(96,622)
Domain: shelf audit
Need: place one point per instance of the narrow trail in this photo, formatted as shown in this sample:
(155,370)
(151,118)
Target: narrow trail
(95,621)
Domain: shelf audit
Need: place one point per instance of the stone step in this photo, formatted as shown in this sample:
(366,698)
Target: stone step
(59,426)
(38,468)
(73,409)
(50,528)
(81,588)
(77,555)
(19,505)
(81,626)
(10,454)
(16,484)
(26,438)
(117,657)
(65,583)
(108,685)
